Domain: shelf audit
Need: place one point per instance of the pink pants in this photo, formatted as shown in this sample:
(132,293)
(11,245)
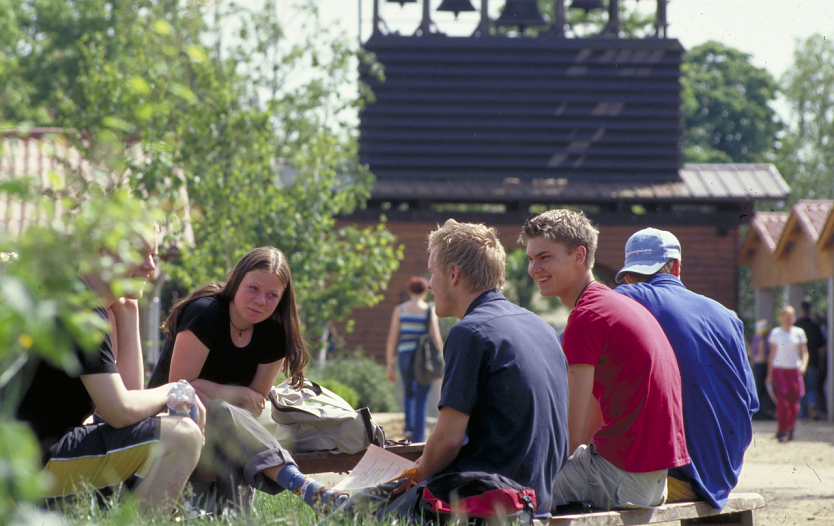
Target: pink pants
(789,389)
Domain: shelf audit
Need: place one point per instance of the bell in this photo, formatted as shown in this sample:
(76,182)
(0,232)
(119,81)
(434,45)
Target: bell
(521,13)
(402,2)
(456,6)
(587,5)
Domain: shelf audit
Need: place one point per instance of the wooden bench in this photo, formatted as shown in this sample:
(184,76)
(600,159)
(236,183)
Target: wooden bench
(740,510)
(325,461)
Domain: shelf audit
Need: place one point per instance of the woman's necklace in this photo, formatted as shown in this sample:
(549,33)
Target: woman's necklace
(239,330)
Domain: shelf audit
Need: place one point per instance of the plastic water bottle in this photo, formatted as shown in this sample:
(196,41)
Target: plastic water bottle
(182,400)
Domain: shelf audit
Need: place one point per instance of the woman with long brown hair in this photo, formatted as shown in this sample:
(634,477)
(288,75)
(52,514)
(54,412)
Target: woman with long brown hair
(231,340)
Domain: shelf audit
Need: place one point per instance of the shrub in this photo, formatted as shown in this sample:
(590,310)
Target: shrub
(345,391)
(368,378)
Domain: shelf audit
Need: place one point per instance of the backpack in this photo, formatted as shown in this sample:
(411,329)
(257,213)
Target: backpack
(316,419)
(427,362)
(478,498)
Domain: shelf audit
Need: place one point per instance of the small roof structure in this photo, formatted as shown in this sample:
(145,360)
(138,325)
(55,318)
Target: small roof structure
(809,217)
(764,233)
(784,248)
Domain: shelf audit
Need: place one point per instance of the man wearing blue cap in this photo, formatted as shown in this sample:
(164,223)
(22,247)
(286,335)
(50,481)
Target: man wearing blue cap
(719,391)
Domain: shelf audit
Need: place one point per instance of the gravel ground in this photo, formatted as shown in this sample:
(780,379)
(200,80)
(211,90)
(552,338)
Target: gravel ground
(796,478)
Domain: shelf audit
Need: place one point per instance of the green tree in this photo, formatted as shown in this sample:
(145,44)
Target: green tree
(264,154)
(45,309)
(262,148)
(807,155)
(726,107)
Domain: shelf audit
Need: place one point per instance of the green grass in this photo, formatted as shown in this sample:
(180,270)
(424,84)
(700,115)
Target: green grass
(283,509)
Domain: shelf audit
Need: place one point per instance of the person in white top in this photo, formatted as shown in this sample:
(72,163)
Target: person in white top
(787,362)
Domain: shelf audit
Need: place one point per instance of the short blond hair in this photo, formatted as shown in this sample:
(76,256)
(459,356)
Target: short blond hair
(474,249)
(788,309)
(571,229)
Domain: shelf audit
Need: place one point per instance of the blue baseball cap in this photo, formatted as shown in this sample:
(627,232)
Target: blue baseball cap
(647,251)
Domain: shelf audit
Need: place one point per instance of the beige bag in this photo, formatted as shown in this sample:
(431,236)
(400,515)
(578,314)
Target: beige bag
(316,419)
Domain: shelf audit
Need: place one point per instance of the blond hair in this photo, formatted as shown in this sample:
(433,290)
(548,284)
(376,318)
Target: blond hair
(571,229)
(474,249)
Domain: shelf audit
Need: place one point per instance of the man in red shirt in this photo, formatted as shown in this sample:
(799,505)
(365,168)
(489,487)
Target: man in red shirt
(625,419)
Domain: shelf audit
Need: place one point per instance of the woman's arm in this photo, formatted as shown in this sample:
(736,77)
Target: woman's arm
(434,330)
(770,358)
(803,355)
(265,377)
(391,344)
(187,361)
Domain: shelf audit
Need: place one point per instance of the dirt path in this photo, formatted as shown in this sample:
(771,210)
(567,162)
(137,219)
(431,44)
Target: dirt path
(796,478)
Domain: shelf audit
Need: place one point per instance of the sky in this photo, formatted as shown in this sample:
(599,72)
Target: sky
(766,29)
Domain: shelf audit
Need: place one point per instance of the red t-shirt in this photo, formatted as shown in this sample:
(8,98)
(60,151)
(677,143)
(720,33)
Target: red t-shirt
(636,380)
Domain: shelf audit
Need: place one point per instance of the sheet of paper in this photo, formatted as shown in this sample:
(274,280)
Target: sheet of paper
(376,467)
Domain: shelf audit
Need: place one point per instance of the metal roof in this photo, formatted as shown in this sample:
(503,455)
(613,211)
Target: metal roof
(591,109)
(696,183)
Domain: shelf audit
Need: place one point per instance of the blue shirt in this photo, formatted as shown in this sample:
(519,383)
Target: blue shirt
(505,369)
(719,393)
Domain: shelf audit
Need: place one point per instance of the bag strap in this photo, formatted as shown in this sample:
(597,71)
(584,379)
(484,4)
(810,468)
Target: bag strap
(369,429)
(313,386)
(316,388)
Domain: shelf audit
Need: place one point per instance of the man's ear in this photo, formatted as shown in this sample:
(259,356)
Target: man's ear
(454,274)
(627,279)
(676,268)
(579,255)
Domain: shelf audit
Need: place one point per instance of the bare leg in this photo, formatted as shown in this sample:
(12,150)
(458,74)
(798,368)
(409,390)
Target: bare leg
(180,444)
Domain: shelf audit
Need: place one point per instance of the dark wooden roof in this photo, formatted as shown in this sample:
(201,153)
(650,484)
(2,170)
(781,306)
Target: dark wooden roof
(591,110)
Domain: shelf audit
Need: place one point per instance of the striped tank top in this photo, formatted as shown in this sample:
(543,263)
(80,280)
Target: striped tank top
(412,326)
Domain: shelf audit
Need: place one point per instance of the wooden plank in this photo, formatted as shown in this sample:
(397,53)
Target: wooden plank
(737,511)
(326,462)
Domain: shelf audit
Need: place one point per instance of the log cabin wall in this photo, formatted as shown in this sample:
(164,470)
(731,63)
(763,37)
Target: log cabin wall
(708,268)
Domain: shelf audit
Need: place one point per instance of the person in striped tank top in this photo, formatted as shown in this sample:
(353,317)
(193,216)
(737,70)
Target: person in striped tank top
(410,321)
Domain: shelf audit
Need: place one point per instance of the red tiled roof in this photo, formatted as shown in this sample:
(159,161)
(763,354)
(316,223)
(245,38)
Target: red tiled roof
(812,215)
(769,226)
(47,156)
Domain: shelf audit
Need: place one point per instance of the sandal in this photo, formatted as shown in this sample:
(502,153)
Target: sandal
(333,500)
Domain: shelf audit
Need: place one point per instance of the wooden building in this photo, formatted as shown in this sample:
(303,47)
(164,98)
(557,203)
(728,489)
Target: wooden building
(785,250)
(493,129)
